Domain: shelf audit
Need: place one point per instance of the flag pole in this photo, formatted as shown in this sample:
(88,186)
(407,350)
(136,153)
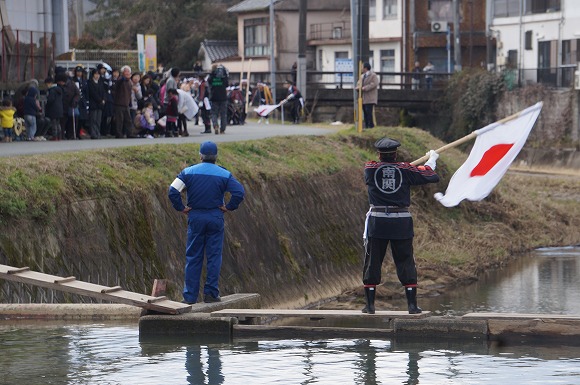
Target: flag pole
(466,138)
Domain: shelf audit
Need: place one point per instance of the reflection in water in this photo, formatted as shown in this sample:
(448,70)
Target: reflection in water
(203,363)
(97,354)
(545,281)
(104,354)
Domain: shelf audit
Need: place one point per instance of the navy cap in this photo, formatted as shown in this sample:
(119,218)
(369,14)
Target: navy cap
(208,148)
(386,145)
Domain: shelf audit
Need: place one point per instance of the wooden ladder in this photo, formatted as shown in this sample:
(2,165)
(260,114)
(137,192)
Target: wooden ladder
(71,285)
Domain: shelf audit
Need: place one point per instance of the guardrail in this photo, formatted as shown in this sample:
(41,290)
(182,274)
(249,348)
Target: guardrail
(344,80)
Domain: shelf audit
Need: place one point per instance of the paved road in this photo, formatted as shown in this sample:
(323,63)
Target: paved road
(250,131)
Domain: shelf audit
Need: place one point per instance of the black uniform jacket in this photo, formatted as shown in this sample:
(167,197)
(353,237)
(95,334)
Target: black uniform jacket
(389,185)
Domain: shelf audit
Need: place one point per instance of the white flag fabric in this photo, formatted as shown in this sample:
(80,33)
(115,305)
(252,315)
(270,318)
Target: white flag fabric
(495,148)
(187,106)
(265,109)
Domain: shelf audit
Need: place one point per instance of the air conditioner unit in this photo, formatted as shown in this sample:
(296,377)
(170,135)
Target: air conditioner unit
(438,26)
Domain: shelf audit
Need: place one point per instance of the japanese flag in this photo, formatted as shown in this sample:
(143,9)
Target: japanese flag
(495,148)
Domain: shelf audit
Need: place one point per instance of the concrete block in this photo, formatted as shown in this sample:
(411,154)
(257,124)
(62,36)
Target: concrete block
(544,327)
(185,325)
(445,327)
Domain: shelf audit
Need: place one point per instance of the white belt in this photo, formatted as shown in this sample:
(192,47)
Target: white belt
(372,213)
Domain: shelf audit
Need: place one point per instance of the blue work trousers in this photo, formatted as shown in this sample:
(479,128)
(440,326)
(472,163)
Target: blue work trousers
(205,235)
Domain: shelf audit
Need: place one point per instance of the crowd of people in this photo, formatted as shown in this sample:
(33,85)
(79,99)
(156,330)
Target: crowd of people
(106,102)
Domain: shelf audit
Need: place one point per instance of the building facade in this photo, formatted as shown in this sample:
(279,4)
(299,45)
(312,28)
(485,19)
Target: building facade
(538,41)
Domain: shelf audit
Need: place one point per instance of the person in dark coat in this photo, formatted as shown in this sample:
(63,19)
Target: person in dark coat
(70,102)
(218,82)
(107,82)
(54,108)
(121,101)
(82,111)
(389,220)
(96,103)
(295,101)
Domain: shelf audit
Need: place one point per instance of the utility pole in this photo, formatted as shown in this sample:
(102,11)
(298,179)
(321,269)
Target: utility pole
(301,64)
(457,34)
(364,31)
(272,54)
(354,56)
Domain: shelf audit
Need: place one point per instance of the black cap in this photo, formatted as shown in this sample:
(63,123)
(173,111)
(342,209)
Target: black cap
(79,69)
(386,145)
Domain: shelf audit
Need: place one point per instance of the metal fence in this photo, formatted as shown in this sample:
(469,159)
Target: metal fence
(114,58)
(557,77)
(26,55)
(344,80)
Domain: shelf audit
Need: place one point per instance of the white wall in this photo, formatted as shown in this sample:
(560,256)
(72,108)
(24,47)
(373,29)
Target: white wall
(556,26)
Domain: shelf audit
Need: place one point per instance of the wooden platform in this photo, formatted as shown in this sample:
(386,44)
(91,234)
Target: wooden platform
(71,285)
(244,314)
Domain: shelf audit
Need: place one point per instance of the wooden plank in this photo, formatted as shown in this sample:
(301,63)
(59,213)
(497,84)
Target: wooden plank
(321,314)
(517,316)
(106,293)
(65,280)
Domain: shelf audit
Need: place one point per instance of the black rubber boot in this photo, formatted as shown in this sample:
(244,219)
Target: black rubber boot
(370,298)
(411,293)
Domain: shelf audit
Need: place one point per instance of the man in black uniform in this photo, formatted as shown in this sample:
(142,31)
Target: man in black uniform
(389,220)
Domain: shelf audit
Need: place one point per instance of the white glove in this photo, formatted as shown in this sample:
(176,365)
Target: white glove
(432,162)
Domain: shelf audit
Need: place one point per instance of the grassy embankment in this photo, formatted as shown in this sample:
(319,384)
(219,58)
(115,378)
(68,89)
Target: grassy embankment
(452,245)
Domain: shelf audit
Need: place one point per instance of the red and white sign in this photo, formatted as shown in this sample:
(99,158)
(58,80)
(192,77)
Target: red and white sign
(494,150)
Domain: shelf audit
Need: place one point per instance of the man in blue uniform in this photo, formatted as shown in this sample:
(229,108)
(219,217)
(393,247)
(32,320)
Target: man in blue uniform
(389,220)
(205,184)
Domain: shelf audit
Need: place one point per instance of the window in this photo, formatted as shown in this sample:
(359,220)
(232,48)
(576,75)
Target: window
(256,37)
(372,59)
(529,40)
(388,64)
(544,54)
(512,59)
(506,8)
(440,10)
(390,9)
(570,51)
(542,6)
(372,9)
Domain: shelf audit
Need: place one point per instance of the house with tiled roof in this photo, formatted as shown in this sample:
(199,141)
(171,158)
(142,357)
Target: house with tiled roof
(217,51)
(254,31)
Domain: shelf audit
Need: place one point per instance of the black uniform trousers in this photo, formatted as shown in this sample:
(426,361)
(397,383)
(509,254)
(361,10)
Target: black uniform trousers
(402,250)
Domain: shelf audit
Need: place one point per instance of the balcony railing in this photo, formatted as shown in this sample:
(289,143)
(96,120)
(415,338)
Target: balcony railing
(559,77)
(562,77)
(330,31)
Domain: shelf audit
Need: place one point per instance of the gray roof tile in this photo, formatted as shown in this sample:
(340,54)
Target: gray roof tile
(220,49)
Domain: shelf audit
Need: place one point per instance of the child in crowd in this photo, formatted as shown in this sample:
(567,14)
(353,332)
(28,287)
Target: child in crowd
(147,121)
(7,119)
